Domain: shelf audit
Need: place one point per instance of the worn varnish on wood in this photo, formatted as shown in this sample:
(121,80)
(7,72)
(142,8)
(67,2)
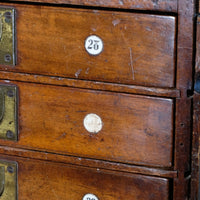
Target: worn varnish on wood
(195,183)
(89,162)
(185,51)
(163,149)
(162,5)
(96,85)
(138,49)
(136,129)
(47,180)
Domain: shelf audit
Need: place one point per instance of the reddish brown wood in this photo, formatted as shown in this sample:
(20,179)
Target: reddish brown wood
(186,9)
(198,6)
(182,78)
(86,162)
(39,180)
(138,49)
(196,128)
(197,64)
(162,5)
(195,149)
(51,119)
(134,89)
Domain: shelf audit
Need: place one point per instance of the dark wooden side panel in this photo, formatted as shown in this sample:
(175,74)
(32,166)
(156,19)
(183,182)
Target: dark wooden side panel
(136,129)
(195,186)
(186,9)
(198,3)
(138,48)
(164,5)
(39,180)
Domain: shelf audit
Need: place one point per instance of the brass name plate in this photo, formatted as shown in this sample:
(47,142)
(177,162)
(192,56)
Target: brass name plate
(8,180)
(7,36)
(8,112)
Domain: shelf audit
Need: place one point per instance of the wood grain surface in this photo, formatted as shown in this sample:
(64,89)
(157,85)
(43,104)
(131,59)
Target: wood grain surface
(184,82)
(136,129)
(161,5)
(96,85)
(39,180)
(88,162)
(138,48)
(195,184)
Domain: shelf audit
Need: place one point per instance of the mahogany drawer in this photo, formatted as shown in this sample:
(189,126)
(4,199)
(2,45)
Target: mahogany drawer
(130,128)
(137,48)
(39,180)
(164,5)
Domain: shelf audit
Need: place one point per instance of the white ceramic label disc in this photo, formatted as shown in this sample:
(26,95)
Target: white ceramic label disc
(94,45)
(90,197)
(93,123)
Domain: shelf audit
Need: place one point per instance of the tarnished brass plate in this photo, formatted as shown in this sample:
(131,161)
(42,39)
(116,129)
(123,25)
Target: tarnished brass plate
(7,36)
(8,180)
(8,112)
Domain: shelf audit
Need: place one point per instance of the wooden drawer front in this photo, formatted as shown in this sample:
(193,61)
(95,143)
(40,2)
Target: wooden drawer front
(135,129)
(138,48)
(164,5)
(39,180)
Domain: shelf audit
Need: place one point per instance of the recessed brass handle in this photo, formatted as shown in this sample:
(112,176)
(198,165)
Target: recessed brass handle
(2,179)
(7,36)
(1,27)
(2,104)
(8,180)
(8,112)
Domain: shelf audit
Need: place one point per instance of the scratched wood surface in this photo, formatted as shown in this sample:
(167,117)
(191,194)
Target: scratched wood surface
(198,3)
(51,119)
(195,184)
(138,48)
(184,82)
(96,85)
(88,162)
(162,5)
(39,180)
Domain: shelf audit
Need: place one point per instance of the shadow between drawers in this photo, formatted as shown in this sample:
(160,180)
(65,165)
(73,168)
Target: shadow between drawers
(93,163)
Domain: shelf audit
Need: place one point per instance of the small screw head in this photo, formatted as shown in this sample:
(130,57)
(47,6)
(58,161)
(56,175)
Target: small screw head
(9,134)
(10,169)
(7,58)
(8,17)
(10,93)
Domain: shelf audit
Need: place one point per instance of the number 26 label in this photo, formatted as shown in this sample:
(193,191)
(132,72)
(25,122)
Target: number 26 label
(94,45)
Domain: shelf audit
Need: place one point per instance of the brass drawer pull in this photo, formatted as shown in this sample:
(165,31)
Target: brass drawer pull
(8,180)
(2,179)
(8,112)
(2,104)
(1,26)
(7,36)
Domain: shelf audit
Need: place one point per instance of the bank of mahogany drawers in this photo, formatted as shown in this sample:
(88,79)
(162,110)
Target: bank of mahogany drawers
(130,129)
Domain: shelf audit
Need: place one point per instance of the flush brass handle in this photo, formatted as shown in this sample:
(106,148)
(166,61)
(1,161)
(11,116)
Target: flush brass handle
(8,112)
(2,104)
(8,180)
(2,179)
(1,27)
(7,36)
